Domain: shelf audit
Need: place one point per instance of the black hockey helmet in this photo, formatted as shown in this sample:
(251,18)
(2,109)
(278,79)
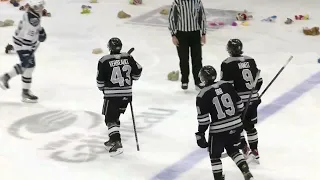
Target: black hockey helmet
(234,47)
(207,74)
(115,45)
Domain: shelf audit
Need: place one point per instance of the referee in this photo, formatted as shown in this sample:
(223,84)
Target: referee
(187,23)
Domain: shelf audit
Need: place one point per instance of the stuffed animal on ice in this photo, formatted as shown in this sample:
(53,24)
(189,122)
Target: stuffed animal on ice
(311,31)
(15,3)
(302,17)
(6,23)
(270,19)
(86,9)
(173,76)
(9,49)
(288,21)
(123,15)
(244,16)
(135,2)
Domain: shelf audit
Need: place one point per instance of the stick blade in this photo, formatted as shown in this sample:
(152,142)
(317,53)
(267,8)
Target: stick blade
(130,50)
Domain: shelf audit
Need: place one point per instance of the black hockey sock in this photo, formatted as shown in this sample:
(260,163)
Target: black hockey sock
(113,131)
(253,139)
(240,162)
(216,165)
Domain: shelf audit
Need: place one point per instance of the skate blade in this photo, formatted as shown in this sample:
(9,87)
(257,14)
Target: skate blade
(252,159)
(3,87)
(25,100)
(256,161)
(116,153)
(107,148)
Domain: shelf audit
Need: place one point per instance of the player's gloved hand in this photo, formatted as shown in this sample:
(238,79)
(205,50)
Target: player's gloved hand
(42,35)
(201,140)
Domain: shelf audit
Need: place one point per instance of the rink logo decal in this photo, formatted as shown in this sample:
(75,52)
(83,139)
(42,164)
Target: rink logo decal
(78,136)
(154,18)
(48,122)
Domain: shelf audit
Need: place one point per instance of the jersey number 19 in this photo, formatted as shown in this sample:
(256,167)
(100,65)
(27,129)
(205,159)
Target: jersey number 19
(224,106)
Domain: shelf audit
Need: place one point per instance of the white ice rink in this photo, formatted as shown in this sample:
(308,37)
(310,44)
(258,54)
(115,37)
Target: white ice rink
(61,137)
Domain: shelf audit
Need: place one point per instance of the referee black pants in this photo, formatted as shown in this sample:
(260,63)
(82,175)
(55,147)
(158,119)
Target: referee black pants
(189,41)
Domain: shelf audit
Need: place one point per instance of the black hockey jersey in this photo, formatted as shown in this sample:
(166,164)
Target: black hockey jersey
(222,103)
(241,72)
(116,73)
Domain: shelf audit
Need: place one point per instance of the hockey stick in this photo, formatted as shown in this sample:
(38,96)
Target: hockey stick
(250,95)
(132,115)
(134,127)
(130,50)
(284,66)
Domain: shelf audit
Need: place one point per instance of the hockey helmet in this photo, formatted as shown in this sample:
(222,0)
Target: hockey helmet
(234,47)
(207,74)
(115,45)
(36,5)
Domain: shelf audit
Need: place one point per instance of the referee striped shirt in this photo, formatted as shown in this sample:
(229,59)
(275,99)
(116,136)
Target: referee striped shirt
(187,16)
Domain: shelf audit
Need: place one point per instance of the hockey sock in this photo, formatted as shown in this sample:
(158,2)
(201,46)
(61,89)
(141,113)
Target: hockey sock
(113,131)
(253,139)
(240,162)
(216,165)
(27,78)
(16,70)
(243,141)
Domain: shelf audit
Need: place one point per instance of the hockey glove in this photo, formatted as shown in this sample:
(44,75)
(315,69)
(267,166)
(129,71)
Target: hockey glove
(201,140)
(42,35)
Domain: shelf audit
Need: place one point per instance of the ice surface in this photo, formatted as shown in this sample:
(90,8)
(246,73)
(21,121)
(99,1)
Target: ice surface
(64,80)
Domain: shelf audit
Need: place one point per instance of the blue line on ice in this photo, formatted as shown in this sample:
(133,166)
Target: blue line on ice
(189,161)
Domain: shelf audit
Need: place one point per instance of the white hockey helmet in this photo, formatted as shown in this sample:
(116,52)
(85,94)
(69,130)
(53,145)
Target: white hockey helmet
(36,5)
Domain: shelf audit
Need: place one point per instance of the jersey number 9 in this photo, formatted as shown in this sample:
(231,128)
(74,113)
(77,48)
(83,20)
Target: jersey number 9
(247,76)
(121,76)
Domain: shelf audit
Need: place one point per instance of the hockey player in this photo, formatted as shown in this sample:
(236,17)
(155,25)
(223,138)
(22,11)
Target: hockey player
(26,40)
(221,102)
(241,71)
(116,72)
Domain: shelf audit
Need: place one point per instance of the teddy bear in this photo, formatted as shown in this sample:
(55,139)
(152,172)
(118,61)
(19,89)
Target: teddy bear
(311,31)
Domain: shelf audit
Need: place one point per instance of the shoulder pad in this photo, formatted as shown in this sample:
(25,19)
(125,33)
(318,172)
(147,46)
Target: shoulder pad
(106,58)
(247,57)
(235,59)
(125,54)
(204,90)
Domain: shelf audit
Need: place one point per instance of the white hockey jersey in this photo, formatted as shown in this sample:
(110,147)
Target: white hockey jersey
(26,36)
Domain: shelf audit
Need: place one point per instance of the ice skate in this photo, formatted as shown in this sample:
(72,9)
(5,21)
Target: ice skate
(114,148)
(248,176)
(4,82)
(246,152)
(254,156)
(28,97)
(108,145)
